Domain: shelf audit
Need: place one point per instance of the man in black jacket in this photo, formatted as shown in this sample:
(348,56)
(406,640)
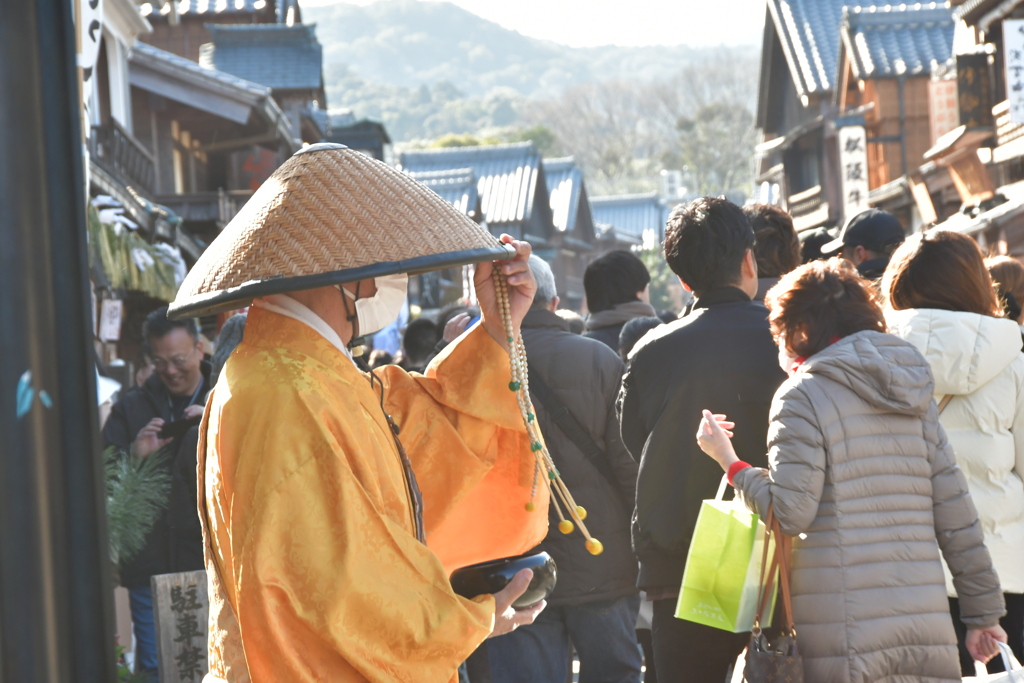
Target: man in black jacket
(720,356)
(176,390)
(595,603)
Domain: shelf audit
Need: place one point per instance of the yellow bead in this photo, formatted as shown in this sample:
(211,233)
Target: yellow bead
(594,546)
(581,512)
(565,526)
(530,507)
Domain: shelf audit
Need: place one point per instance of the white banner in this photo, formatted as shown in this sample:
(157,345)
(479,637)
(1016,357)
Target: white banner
(853,161)
(90,27)
(1013,52)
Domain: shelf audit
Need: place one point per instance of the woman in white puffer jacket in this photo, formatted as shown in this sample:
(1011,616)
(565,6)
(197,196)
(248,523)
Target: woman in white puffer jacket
(941,299)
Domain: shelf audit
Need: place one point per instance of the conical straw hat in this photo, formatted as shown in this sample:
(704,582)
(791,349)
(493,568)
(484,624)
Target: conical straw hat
(330,215)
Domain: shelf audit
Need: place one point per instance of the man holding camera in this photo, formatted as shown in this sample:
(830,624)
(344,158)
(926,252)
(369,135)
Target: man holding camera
(175,391)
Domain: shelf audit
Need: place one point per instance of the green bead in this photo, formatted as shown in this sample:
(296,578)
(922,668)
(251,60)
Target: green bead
(514,386)
(529,417)
(535,446)
(552,475)
(511,340)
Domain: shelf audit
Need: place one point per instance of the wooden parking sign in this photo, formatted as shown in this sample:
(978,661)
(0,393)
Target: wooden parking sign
(181,610)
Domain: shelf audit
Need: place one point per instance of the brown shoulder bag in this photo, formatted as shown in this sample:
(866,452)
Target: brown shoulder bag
(778,660)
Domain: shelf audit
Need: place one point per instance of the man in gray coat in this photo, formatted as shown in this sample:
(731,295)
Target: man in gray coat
(573,382)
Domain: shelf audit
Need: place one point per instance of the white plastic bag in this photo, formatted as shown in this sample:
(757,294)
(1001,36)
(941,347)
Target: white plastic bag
(1014,671)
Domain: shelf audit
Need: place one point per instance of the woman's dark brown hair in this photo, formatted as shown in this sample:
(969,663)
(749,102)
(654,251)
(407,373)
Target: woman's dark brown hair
(940,269)
(1008,276)
(819,302)
(776,245)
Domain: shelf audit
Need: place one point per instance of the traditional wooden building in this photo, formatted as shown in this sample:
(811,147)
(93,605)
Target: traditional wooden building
(286,58)
(211,138)
(181,27)
(630,221)
(886,58)
(985,155)
(364,135)
(797,160)
(575,238)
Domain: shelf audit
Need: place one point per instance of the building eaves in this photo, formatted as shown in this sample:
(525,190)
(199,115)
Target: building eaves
(565,190)
(809,33)
(507,175)
(632,214)
(188,74)
(456,186)
(206,8)
(278,56)
(897,40)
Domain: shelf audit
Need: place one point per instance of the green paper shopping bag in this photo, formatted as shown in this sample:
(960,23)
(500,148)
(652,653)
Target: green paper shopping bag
(723,567)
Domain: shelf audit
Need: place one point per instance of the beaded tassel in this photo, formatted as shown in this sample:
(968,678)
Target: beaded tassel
(570,514)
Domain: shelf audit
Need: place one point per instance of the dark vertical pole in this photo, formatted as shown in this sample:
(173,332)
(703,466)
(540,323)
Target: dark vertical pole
(56,612)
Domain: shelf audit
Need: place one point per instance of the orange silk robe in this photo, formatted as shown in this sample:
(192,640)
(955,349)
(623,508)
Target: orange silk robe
(315,570)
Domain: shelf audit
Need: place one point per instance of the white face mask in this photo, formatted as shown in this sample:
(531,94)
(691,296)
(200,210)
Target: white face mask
(380,310)
(785,359)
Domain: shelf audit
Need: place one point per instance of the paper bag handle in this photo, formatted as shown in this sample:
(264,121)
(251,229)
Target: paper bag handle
(722,486)
(1010,663)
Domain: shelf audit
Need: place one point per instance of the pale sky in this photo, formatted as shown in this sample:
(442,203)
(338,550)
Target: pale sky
(586,23)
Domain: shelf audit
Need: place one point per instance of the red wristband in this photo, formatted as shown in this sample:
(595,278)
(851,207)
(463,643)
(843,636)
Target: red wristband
(735,468)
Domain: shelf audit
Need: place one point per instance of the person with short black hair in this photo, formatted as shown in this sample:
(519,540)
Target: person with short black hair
(721,355)
(811,242)
(868,241)
(421,335)
(776,246)
(176,390)
(618,289)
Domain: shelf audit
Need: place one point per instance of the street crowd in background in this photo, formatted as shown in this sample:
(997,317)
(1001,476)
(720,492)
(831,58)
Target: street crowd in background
(811,369)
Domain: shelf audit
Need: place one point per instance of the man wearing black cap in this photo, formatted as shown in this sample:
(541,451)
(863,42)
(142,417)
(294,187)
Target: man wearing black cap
(868,241)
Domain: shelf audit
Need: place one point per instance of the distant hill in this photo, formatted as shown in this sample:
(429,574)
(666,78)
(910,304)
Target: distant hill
(409,44)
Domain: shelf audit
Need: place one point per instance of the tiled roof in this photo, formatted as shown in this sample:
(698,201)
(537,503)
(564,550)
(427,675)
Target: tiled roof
(565,189)
(809,33)
(179,69)
(506,175)
(632,214)
(457,186)
(897,40)
(211,8)
(278,56)
(152,56)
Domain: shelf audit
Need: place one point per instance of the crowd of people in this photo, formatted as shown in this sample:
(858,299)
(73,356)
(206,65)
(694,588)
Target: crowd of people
(869,388)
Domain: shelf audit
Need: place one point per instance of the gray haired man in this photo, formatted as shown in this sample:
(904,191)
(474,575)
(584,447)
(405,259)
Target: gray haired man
(574,382)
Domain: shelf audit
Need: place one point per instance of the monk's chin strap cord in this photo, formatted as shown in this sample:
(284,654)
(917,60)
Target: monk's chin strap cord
(415,497)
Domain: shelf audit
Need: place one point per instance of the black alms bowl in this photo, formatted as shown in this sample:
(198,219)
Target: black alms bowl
(491,577)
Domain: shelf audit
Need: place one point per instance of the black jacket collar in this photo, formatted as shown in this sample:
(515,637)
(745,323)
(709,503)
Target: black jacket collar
(542,317)
(722,295)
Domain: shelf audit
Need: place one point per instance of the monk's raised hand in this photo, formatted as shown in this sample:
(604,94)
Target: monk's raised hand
(521,289)
(508,619)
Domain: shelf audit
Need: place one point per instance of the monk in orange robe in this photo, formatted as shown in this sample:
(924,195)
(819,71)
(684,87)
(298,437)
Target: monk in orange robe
(310,519)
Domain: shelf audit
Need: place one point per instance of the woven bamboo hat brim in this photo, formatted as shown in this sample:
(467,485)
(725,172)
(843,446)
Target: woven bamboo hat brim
(330,215)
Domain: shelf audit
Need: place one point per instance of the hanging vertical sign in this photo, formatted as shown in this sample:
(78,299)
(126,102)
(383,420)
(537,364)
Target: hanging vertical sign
(90,28)
(943,109)
(974,90)
(853,159)
(110,319)
(1013,57)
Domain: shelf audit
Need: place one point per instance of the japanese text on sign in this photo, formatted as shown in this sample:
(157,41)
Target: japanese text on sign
(1013,41)
(181,614)
(943,108)
(853,158)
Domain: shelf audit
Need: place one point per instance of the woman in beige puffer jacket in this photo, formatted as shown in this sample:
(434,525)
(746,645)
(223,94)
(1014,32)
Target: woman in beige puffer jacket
(940,298)
(862,474)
